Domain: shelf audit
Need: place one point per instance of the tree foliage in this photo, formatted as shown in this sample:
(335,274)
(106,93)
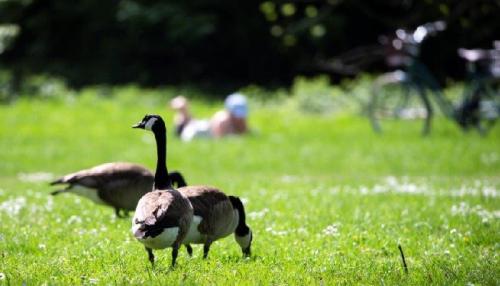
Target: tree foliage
(157,42)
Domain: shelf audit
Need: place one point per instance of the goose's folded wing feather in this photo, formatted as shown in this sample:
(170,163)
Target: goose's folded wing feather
(97,176)
(212,205)
(158,210)
(203,198)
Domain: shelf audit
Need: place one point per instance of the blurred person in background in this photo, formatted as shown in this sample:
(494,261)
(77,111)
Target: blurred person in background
(186,127)
(183,116)
(231,120)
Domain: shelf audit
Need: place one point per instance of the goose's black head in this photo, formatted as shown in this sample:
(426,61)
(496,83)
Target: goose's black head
(151,122)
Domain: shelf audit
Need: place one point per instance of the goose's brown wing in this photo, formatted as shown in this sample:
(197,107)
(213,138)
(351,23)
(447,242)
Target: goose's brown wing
(119,184)
(158,210)
(212,205)
(124,189)
(96,176)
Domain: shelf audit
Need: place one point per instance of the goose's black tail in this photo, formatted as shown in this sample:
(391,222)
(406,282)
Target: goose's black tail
(57,182)
(242,228)
(177,178)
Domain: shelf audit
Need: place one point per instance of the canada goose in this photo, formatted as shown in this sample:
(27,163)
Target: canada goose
(163,216)
(119,185)
(215,216)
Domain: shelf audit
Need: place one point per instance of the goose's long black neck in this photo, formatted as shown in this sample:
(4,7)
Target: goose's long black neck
(162,181)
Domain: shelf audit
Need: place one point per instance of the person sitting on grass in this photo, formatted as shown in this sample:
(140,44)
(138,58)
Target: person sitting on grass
(186,127)
(231,120)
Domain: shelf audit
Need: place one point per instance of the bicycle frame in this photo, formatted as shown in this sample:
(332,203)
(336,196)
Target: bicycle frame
(404,51)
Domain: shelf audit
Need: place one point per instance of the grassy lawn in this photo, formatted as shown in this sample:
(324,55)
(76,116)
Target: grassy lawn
(328,200)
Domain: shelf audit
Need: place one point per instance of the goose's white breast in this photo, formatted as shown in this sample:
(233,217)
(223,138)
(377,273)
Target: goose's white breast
(194,235)
(88,193)
(165,239)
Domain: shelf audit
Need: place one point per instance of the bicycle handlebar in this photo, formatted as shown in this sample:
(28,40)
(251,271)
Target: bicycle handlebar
(421,32)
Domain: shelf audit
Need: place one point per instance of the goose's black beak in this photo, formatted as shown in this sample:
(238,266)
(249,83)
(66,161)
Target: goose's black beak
(138,125)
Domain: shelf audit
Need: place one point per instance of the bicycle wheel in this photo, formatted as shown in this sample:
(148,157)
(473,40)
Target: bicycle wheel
(395,101)
(489,108)
(480,107)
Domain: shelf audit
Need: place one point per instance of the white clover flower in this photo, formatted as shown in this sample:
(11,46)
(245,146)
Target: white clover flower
(332,230)
(2,276)
(35,177)
(460,209)
(302,230)
(391,181)
(277,232)
(74,219)
(49,206)
(12,207)
(489,192)
(261,214)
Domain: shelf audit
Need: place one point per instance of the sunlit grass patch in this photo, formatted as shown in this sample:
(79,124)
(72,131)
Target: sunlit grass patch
(328,201)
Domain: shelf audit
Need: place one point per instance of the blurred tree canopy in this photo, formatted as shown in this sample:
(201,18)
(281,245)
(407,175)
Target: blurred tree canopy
(157,42)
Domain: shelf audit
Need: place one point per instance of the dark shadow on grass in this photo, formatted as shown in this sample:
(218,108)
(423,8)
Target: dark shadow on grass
(159,269)
(239,259)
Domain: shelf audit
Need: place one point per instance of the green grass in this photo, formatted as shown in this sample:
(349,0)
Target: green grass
(328,200)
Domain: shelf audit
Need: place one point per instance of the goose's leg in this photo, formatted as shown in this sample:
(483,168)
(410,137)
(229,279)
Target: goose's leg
(175,251)
(189,250)
(206,248)
(117,213)
(151,257)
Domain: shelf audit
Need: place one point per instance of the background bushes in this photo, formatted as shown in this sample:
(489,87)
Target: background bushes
(225,43)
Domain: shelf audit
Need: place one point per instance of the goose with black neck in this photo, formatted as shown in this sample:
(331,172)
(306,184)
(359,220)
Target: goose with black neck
(216,216)
(118,184)
(163,216)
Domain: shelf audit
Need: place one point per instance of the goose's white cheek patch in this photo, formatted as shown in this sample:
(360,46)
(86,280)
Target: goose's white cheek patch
(150,123)
(244,241)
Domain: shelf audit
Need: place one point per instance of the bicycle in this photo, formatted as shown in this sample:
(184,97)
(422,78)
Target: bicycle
(413,77)
(479,106)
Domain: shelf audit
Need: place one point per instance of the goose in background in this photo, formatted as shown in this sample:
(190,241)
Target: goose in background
(216,216)
(119,185)
(163,216)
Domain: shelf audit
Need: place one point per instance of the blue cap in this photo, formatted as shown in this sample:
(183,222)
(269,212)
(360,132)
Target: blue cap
(236,103)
